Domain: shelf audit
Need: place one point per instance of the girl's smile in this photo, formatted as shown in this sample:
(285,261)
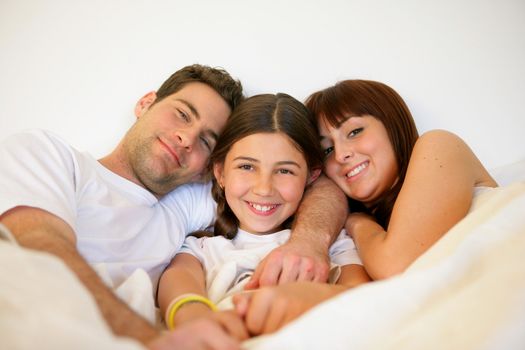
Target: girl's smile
(263,176)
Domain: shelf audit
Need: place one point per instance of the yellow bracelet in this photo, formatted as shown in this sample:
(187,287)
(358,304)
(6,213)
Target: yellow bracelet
(178,302)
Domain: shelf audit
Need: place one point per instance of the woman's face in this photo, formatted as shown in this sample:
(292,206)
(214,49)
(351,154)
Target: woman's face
(359,157)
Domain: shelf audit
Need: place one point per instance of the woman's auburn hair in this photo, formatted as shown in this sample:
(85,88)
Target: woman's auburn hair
(350,98)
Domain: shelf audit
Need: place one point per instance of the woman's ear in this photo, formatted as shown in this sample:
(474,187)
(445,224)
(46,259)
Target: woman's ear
(144,103)
(218,171)
(314,174)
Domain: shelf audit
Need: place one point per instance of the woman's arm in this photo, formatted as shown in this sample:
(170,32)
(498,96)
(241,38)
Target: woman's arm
(436,194)
(353,275)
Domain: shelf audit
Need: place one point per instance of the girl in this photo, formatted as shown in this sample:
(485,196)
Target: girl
(266,156)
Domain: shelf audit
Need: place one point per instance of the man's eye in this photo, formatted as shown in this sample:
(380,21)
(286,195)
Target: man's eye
(183,116)
(206,143)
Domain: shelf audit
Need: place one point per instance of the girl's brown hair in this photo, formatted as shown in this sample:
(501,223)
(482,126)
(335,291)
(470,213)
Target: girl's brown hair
(351,98)
(268,113)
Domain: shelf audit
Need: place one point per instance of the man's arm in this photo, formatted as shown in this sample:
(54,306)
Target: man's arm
(304,257)
(39,230)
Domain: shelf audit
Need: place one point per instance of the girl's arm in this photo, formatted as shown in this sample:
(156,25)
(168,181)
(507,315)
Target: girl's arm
(184,275)
(436,194)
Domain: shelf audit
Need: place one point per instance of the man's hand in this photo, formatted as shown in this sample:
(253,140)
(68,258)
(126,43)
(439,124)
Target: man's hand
(203,333)
(268,309)
(293,261)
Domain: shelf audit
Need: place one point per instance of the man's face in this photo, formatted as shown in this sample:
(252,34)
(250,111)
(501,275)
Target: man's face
(171,142)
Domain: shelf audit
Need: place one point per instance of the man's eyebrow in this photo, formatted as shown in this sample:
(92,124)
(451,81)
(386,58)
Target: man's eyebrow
(190,106)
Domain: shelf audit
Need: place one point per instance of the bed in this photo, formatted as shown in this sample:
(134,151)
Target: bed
(466,292)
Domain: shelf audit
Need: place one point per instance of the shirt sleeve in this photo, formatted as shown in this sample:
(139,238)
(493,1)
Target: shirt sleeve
(194,246)
(38,170)
(195,206)
(343,251)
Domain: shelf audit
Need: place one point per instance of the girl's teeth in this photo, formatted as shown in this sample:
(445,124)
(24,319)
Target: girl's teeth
(263,208)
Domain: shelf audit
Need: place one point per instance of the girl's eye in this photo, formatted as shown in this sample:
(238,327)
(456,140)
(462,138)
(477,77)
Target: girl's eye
(285,171)
(328,150)
(355,132)
(245,167)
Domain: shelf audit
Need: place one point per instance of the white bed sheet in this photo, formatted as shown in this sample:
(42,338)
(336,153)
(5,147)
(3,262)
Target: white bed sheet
(466,292)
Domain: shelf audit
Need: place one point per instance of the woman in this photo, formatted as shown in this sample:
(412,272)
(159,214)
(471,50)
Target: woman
(405,191)
(414,189)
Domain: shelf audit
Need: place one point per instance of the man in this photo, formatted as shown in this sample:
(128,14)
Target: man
(128,210)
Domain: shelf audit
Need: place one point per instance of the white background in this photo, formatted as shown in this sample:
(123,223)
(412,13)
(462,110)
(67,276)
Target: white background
(78,67)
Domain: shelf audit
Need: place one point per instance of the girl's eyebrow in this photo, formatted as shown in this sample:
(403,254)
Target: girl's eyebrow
(289,162)
(246,158)
(282,162)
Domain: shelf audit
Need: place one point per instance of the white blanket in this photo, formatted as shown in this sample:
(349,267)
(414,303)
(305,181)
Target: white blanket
(44,306)
(466,292)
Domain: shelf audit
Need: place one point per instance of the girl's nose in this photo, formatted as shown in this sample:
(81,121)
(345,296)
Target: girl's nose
(263,186)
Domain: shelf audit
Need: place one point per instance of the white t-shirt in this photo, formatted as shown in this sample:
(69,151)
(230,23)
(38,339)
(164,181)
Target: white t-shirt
(119,225)
(228,264)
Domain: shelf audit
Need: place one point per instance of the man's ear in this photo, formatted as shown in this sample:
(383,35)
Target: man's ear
(144,103)
(314,174)
(218,170)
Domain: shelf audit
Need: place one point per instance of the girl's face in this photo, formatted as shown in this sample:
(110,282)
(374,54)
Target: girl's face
(359,157)
(263,176)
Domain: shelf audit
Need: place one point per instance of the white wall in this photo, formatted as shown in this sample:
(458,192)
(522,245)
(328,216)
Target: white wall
(78,67)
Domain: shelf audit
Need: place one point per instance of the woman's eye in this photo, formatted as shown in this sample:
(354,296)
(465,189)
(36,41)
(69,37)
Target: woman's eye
(355,132)
(328,150)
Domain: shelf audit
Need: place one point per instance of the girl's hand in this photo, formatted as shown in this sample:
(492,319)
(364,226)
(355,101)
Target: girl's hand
(228,320)
(201,334)
(270,308)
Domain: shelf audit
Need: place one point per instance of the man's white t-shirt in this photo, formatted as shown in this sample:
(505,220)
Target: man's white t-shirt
(228,263)
(119,225)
